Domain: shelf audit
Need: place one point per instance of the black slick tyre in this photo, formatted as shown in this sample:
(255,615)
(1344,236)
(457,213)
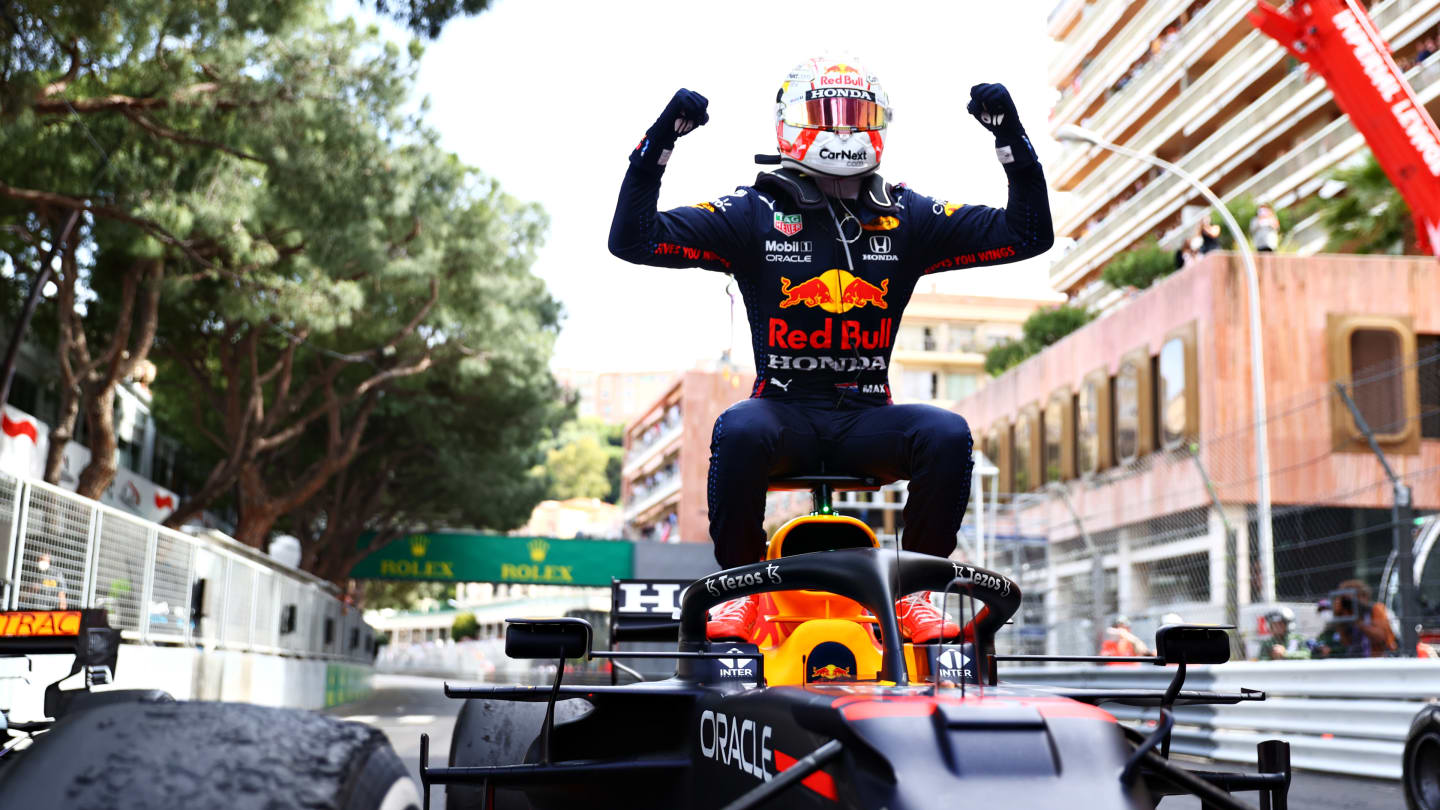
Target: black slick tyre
(498,732)
(208,756)
(1421,775)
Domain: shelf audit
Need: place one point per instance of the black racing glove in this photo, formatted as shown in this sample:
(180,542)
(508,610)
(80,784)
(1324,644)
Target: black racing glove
(685,112)
(995,110)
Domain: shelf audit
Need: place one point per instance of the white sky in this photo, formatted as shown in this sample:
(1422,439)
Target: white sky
(550,97)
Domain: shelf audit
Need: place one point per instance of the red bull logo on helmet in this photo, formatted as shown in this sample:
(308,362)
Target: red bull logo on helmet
(834,291)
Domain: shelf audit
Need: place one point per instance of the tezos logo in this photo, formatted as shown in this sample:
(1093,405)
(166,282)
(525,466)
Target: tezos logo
(716,585)
(984,579)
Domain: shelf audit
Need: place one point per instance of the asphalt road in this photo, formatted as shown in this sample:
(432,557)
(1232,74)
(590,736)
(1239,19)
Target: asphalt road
(405,706)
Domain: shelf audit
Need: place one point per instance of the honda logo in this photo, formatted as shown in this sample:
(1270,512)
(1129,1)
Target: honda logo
(880,244)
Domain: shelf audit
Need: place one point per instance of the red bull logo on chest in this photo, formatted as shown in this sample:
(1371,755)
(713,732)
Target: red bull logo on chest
(834,291)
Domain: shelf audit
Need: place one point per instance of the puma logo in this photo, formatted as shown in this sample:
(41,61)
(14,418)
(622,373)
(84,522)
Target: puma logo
(785,386)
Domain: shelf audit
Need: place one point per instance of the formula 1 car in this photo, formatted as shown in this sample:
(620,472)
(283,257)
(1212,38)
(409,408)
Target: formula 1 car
(141,749)
(831,707)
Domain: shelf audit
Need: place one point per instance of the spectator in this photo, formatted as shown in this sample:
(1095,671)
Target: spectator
(47,592)
(1265,229)
(1206,238)
(1283,643)
(1359,628)
(1119,640)
(1425,50)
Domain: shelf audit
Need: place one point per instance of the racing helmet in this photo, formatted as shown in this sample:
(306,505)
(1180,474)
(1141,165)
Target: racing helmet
(1280,614)
(830,118)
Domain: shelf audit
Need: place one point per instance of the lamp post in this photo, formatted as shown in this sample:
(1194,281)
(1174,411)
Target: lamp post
(1070,132)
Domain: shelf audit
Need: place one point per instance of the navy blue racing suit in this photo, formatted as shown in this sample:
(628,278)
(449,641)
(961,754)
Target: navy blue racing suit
(825,281)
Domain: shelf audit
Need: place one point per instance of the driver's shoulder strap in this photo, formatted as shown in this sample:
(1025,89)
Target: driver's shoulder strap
(800,188)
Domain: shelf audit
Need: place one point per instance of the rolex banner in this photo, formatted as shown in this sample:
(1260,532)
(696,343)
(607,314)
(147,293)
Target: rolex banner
(465,557)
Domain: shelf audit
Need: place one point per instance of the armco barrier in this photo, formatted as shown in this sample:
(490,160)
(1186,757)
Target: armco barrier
(241,622)
(1341,716)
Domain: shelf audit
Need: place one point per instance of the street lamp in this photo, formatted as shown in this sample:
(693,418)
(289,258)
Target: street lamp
(1070,132)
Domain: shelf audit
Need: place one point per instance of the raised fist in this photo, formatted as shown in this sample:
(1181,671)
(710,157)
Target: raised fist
(992,107)
(685,112)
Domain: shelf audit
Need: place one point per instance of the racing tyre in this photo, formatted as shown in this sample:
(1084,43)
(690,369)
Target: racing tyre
(1422,761)
(498,732)
(208,756)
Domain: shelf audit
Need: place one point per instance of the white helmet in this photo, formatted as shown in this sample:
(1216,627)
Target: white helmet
(830,118)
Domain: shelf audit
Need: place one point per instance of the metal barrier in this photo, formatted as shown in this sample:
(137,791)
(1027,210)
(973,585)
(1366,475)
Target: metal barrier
(1347,716)
(162,586)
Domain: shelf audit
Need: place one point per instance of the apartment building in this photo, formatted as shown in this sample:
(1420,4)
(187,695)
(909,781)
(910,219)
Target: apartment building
(939,355)
(667,456)
(614,396)
(1193,82)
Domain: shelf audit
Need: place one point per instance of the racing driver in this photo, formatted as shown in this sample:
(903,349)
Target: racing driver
(826,255)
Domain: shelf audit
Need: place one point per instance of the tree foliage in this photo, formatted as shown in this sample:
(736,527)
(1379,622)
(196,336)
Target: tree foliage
(465,626)
(379,594)
(1370,216)
(343,314)
(1139,267)
(1042,328)
(427,17)
(584,461)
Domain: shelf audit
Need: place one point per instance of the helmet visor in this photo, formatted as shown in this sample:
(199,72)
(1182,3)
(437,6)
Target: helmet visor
(836,108)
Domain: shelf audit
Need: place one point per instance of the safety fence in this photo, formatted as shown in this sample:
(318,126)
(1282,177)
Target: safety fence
(161,586)
(1176,530)
(1348,717)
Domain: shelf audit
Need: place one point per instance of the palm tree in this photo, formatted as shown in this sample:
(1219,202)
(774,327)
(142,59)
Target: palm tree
(1370,216)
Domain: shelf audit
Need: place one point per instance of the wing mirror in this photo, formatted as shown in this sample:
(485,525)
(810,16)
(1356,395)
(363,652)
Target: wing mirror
(1193,643)
(547,638)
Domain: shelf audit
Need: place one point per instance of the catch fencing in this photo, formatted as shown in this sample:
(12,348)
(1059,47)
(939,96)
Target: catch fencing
(161,586)
(1176,531)
(1348,717)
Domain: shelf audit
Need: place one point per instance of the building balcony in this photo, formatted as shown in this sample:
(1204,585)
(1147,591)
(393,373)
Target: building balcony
(1208,97)
(1140,96)
(661,494)
(1119,53)
(1099,19)
(1268,118)
(1063,15)
(639,458)
(918,357)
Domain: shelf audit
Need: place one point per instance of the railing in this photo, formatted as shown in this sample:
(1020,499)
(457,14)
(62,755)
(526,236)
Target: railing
(1323,150)
(1347,716)
(1124,48)
(1080,40)
(161,586)
(1296,89)
(1124,103)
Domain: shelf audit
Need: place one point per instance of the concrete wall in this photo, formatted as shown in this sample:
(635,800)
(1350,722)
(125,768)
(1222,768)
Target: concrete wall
(193,674)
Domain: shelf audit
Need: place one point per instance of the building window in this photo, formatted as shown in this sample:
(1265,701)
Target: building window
(929,336)
(1092,423)
(1429,373)
(1027,444)
(1373,354)
(962,339)
(960,386)
(909,338)
(1131,399)
(1177,400)
(918,385)
(1377,387)
(1057,433)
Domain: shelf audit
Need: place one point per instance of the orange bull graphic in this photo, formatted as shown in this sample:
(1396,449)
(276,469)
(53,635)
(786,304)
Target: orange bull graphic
(830,672)
(834,291)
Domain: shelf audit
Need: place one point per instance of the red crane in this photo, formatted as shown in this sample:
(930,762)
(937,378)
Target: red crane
(1339,41)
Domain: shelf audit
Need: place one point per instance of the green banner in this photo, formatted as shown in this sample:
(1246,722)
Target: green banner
(464,557)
